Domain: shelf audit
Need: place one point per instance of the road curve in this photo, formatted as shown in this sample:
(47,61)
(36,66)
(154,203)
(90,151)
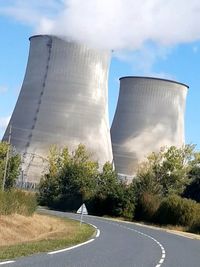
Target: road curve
(121,244)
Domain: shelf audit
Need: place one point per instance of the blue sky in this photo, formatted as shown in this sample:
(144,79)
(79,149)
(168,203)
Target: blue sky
(176,57)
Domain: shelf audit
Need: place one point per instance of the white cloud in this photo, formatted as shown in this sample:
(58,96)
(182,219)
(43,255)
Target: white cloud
(30,12)
(116,24)
(128,25)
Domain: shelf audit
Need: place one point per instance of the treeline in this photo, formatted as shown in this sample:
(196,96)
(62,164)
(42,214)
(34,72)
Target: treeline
(73,178)
(157,194)
(165,190)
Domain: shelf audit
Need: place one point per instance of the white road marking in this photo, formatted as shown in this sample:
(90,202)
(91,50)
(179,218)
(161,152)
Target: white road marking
(66,249)
(6,262)
(161,261)
(163,253)
(79,245)
(98,233)
(92,225)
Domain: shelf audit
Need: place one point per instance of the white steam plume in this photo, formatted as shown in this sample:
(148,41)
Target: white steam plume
(114,24)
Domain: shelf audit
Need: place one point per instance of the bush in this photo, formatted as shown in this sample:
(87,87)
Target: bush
(17,201)
(192,191)
(177,211)
(195,228)
(118,204)
(147,206)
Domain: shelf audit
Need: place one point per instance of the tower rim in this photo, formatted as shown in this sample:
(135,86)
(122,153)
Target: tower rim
(153,78)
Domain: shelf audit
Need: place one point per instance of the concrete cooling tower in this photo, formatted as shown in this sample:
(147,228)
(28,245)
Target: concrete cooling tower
(149,115)
(63,101)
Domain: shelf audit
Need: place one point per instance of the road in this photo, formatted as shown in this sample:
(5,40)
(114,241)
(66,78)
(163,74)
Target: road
(121,244)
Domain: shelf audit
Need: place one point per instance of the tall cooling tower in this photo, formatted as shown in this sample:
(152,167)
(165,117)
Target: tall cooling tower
(149,115)
(63,101)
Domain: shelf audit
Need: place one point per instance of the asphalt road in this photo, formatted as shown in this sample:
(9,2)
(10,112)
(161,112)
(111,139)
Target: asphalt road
(121,244)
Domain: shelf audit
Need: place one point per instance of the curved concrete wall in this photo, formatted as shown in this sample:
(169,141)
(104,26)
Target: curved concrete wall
(63,101)
(149,115)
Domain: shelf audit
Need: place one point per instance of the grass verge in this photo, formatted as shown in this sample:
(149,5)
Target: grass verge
(67,236)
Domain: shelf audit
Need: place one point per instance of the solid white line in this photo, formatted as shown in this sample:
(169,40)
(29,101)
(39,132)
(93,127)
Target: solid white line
(79,245)
(92,225)
(6,262)
(98,233)
(66,249)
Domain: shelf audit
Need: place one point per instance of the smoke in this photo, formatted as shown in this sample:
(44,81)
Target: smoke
(139,32)
(144,58)
(113,24)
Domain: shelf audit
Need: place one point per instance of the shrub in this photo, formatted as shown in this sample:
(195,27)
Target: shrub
(195,228)
(117,200)
(147,206)
(17,201)
(192,191)
(177,211)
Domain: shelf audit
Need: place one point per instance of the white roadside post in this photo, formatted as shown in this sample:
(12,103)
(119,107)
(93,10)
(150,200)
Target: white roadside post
(82,210)
(81,215)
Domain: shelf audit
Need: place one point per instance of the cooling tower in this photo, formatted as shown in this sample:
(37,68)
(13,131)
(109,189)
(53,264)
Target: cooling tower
(63,101)
(149,115)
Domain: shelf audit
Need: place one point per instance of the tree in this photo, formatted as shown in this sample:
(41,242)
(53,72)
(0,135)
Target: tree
(174,169)
(107,181)
(71,178)
(49,186)
(113,197)
(13,168)
(146,180)
(105,191)
(193,189)
(165,172)
(77,179)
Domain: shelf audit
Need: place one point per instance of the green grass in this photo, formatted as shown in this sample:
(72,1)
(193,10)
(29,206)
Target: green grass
(82,233)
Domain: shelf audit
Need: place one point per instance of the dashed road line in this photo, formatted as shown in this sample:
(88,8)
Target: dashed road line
(163,253)
(98,233)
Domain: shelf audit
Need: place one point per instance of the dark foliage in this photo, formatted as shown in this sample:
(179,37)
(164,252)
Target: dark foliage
(178,211)
(74,178)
